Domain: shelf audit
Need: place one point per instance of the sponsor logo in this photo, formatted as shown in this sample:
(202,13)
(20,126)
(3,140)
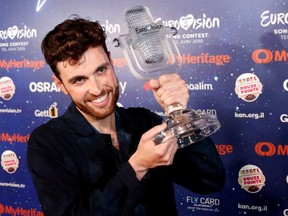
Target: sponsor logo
(13,138)
(285,212)
(12,184)
(203,58)
(15,64)
(275,20)
(285,85)
(16,33)
(251,178)
(10,210)
(203,203)
(249,115)
(284,118)
(52,87)
(7,88)
(268,18)
(206,58)
(191,23)
(224,149)
(2,209)
(199,86)
(265,56)
(268,149)
(194,23)
(52,112)
(9,161)
(43,87)
(253,207)
(10,111)
(208,111)
(248,87)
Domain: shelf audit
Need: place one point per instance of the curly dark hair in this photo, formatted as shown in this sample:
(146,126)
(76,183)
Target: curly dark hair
(70,39)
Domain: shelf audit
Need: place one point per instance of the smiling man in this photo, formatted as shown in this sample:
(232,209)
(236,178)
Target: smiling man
(99,159)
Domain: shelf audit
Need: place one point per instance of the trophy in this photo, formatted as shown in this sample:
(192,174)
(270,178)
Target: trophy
(150,50)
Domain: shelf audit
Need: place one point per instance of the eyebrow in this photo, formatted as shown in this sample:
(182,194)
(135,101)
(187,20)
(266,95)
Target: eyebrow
(72,79)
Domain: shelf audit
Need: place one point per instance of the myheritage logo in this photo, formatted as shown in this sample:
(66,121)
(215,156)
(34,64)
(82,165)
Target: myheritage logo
(10,210)
(25,63)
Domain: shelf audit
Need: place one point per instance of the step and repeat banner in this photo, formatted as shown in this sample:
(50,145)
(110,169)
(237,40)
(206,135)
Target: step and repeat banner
(235,63)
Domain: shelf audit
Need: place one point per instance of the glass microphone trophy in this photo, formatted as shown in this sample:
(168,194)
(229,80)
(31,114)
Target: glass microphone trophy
(150,50)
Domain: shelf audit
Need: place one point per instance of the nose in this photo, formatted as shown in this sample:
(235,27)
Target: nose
(95,87)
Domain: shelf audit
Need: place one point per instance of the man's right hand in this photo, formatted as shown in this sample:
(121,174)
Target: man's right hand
(148,155)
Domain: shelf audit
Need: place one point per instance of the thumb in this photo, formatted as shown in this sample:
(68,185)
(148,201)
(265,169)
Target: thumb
(156,130)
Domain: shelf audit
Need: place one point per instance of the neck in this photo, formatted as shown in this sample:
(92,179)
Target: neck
(105,126)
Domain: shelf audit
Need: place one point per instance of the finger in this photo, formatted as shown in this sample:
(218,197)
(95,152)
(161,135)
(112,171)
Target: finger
(168,77)
(163,137)
(154,84)
(155,130)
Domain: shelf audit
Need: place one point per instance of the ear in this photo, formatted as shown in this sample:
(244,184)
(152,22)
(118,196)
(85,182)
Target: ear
(60,84)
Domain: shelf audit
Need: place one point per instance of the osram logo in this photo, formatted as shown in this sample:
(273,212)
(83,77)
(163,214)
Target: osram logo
(265,56)
(268,149)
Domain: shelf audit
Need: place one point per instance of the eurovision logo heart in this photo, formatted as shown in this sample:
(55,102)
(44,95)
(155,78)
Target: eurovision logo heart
(186,21)
(12,32)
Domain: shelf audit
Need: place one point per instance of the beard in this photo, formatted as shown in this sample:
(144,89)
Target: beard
(100,113)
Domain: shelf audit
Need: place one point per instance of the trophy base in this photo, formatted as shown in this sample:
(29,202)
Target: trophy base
(188,126)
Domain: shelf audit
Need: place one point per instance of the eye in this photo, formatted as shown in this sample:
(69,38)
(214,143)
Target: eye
(78,80)
(102,70)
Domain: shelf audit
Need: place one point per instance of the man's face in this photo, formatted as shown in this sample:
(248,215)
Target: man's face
(91,84)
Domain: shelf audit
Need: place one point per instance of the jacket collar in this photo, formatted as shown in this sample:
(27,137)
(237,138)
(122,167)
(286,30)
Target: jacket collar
(81,126)
(77,121)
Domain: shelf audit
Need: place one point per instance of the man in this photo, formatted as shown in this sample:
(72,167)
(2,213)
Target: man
(99,159)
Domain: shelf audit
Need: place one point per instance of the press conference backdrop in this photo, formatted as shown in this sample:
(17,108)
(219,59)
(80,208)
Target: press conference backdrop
(235,65)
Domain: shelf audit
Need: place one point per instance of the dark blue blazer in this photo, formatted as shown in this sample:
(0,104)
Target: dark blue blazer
(77,171)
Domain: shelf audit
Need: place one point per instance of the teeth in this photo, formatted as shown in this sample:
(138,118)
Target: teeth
(100,99)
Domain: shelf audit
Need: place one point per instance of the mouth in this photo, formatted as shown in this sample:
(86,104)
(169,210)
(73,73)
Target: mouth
(100,100)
